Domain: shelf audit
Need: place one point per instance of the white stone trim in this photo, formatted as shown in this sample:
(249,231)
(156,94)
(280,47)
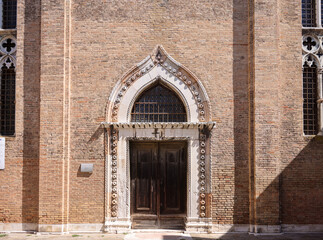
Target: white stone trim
(225,228)
(318,14)
(120,225)
(170,125)
(256,229)
(193,225)
(302,228)
(18,227)
(85,227)
(189,135)
(198,225)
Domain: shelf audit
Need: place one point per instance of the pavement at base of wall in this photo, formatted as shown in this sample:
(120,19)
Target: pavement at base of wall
(162,236)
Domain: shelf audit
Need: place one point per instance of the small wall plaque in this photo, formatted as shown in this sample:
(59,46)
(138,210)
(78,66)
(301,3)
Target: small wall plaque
(2,152)
(87,167)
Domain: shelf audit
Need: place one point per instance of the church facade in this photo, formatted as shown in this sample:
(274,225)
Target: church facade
(204,116)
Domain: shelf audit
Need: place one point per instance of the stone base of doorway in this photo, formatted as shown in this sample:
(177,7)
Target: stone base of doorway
(192,225)
(198,225)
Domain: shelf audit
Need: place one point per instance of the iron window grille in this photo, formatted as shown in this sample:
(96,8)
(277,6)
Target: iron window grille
(158,104)
(310,97)
(312,12)
(7,97)
(9,14)
(308,13)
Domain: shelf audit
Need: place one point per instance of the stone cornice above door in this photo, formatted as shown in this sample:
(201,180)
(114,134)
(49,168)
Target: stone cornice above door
(178,125)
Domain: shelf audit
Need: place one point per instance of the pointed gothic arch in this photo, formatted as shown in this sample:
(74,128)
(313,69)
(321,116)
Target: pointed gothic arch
(158,67)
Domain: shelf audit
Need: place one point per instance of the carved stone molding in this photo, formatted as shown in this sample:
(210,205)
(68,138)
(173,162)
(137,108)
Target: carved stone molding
(184,125)
(114,168)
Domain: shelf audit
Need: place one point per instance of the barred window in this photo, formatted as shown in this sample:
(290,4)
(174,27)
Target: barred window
(9,14)
(310,97)
(158,104)
(8,95)
(308,13)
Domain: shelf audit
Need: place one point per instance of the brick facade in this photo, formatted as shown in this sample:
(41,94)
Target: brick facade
(246,53)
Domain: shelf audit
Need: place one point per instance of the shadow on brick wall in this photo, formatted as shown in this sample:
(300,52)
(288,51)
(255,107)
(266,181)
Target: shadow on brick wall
(301,184)
(241,112)
(31,118)
(298,188)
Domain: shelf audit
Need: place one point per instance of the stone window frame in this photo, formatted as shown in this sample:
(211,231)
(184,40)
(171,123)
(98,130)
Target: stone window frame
(313,55)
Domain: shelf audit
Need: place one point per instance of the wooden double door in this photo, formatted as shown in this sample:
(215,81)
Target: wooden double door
(158,184)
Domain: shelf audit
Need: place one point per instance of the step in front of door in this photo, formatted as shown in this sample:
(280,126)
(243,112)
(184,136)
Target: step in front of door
(145,222)
(151,222)
(172,223)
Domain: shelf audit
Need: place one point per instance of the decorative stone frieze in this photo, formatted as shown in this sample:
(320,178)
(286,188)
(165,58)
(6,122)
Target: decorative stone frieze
(202,173)
(184,125)
(114,167)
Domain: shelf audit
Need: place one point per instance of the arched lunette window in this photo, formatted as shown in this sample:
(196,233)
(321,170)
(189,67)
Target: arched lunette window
(158,104)
(310,100)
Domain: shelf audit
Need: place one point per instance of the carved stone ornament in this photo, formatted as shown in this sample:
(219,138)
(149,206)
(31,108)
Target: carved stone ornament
(312,48)
(8,48)
(114,149)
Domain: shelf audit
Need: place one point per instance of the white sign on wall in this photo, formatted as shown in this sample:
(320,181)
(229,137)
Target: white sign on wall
(2,152)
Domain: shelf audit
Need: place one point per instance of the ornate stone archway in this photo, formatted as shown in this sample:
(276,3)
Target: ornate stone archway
(120,130)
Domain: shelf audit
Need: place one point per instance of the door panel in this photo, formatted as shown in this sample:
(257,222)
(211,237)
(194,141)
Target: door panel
(143,178)
(173,181)
(158,184)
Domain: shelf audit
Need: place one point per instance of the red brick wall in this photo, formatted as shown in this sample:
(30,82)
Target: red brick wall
(246,53)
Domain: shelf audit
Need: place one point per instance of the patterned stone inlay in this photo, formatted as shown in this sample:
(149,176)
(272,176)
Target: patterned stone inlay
(202,174)
(114,163)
